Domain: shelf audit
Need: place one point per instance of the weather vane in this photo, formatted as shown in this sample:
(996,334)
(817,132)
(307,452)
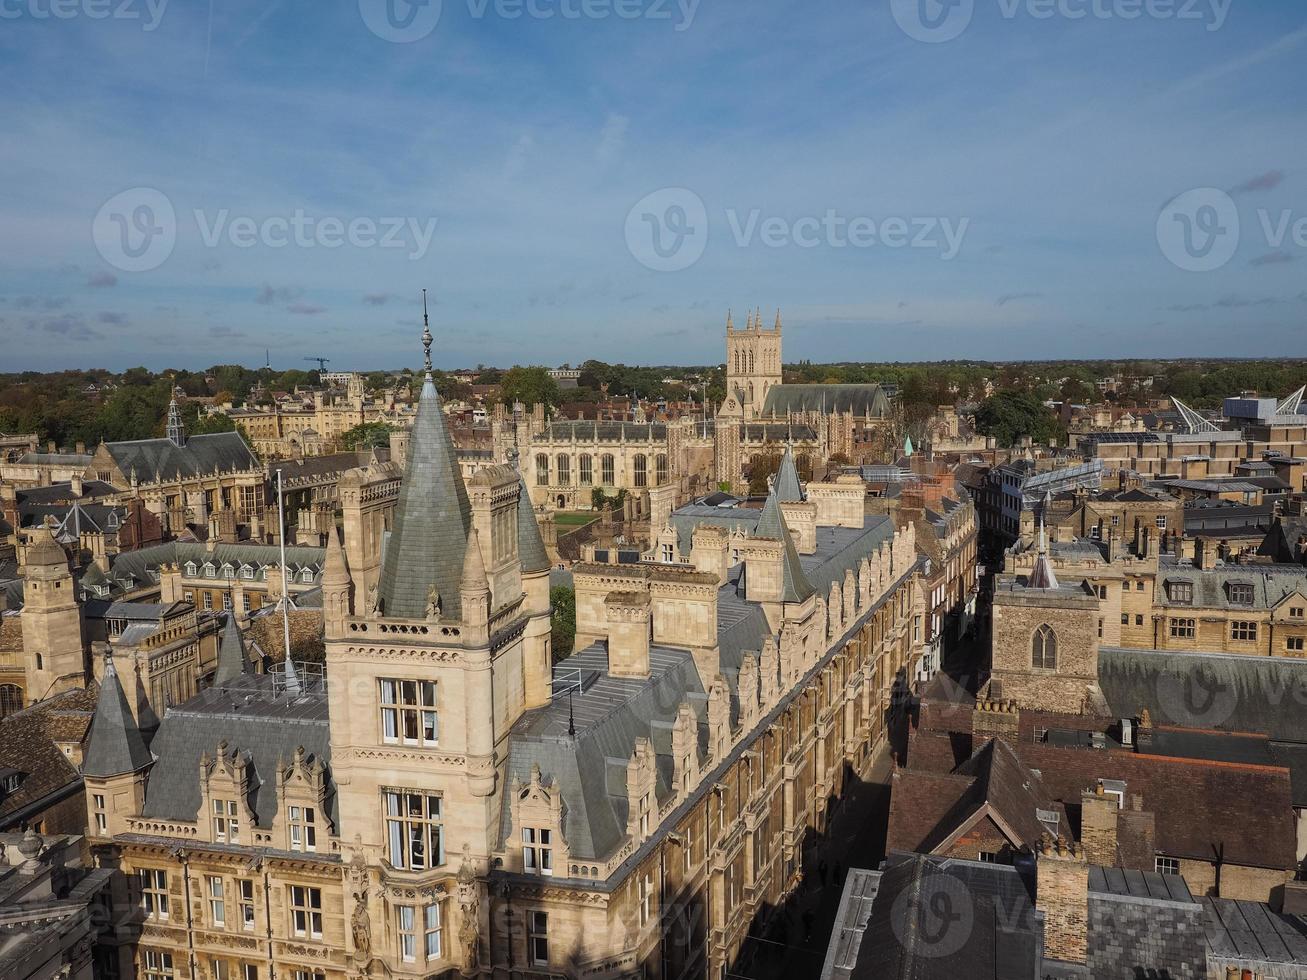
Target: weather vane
(426,332)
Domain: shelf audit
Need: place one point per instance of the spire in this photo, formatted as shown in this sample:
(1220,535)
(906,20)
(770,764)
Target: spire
(795,586)
(1042,577)
(232,659)
(335,568)
(730,322)
(786,485)
(115,745)
(432,518)
(176,431)
(474,569)
(530,546)
(778,319)
(146,720)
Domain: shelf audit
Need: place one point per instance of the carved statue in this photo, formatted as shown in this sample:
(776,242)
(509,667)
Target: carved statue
(469,900)
(433,605)
(361,925)
(374,600)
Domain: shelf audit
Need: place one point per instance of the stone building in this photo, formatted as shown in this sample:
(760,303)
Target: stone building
(457,801)
(186,480)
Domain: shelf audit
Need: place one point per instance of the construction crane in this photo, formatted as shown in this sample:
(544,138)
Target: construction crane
(322,362)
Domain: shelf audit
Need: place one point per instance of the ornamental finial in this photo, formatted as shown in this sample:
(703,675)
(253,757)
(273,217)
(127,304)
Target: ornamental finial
(426,333)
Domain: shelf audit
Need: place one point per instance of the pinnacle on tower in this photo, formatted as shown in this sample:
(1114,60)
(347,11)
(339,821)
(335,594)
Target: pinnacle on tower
(176,430)
(115,745)
(232,659)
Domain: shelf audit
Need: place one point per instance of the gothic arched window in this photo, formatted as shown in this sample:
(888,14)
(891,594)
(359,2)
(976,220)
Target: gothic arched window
(641,469)
(564,469)
(606,469)
(660,468)
(1043,649)
(542,470)
(11,699)
(587,471)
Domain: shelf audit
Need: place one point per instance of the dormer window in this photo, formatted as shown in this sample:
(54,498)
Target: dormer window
(1240,593)
(306,576)
(247,571)
(190,569)
(1180,593)
(210,570)
(227,570)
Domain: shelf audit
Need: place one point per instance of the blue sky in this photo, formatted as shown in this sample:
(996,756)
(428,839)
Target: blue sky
(1050,147)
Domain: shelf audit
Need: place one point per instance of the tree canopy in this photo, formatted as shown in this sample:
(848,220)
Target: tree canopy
(1010,414)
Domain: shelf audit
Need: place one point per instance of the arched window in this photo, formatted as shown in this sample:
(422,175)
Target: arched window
(751,362)
(641,470)
(1043,649)
(660,468)
(606,469)
(11,699)
(564,469)
(542,470)
(587,470)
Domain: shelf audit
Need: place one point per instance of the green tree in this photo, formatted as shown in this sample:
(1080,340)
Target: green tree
(369,435)
(562,621)
(1010,414)
(530,386)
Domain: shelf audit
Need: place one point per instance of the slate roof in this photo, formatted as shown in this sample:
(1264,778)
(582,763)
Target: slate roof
(795,586)
(530,546)
(1270,583)
(863,400)
(115,745)
(1250,693)
(609,714)
(251,718)
(786,485)
(941,919)
(232,659)
(432,518)
(163,461)
(1254,934)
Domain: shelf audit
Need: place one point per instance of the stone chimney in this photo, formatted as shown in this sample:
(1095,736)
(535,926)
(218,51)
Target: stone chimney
(1113,546)
(1098,834)
(629,618)
(75,485)
(995,718)
(1204,554)
(1062,894)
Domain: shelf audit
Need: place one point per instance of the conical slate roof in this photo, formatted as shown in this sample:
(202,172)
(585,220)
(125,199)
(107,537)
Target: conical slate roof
(146,720)
(1042,577)
(771,524)
(116,746)
(232,659)
(786,485)
(432,518)
(530,546)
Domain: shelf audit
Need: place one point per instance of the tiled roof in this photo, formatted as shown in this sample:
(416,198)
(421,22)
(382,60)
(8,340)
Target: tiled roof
(863,400)
(163,461)
(27,745)
(432,519)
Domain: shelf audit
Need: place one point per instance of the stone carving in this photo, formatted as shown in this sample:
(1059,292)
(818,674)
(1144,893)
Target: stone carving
(361,925)
(433,605)
(469,901)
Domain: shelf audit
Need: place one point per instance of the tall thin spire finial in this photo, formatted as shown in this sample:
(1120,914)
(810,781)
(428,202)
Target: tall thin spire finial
(426,333)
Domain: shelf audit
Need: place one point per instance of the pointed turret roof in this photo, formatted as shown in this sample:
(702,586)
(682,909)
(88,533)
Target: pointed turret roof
(116,746)
(432,519)
(771,524)
(335,567)
(530,546)
(786,485)
(474,568)
(1042,577)
(232,659)
(146,720)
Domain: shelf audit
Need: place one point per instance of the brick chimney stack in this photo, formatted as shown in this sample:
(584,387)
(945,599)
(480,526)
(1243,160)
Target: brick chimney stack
(996,718)
(1098,830)
(1062,894)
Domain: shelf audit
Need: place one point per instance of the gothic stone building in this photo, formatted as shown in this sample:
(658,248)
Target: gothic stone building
(457,802)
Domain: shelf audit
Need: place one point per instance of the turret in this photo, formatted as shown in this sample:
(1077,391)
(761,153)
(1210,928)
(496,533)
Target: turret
(337,587)
(54,652)
(117,760)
